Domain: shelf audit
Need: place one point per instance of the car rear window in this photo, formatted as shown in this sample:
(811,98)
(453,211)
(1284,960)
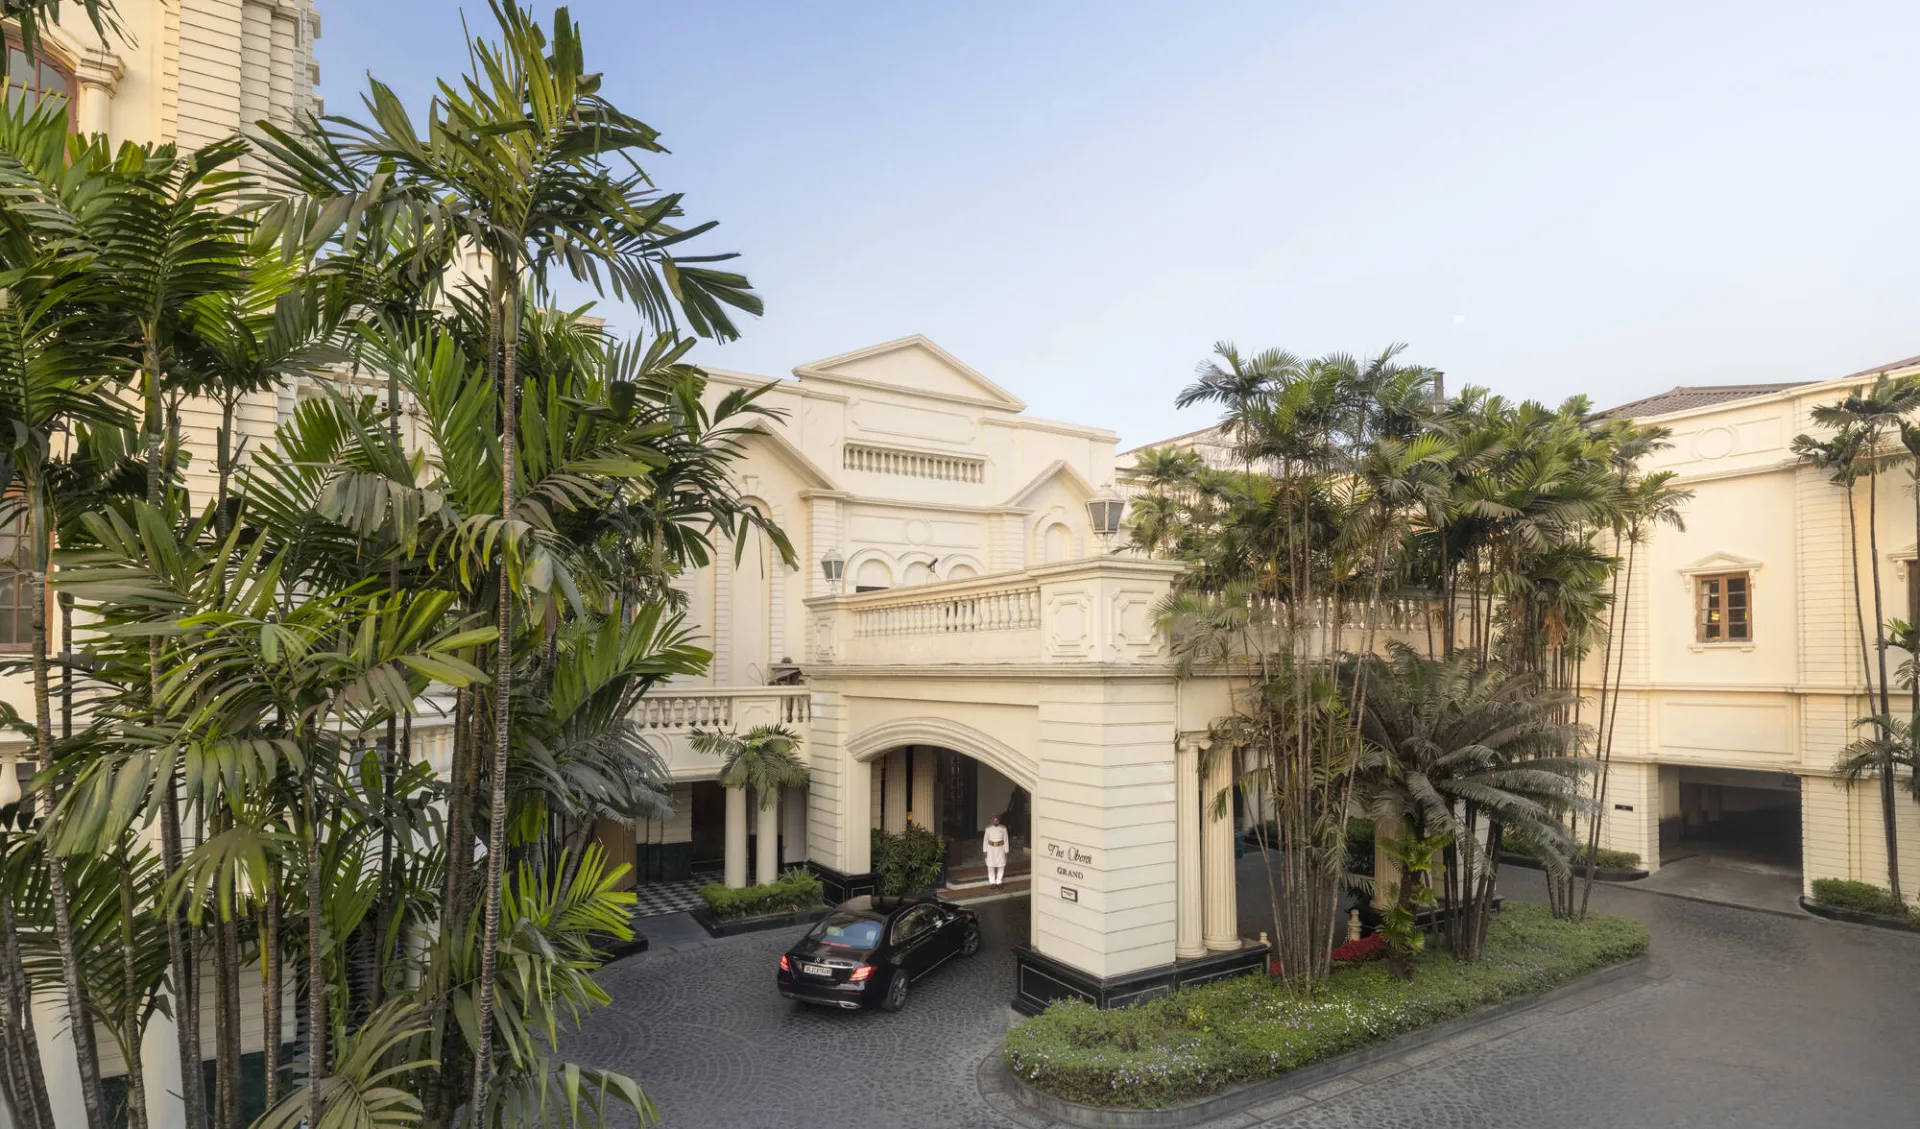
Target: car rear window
(845,931)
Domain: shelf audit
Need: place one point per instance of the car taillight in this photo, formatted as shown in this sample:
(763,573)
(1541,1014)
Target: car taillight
(860,973)
(784,966)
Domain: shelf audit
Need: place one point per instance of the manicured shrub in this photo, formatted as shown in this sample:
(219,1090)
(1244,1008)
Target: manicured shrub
(1199,1040)
(1608,858)
(1614,860)
(1861,897)
(910,861)
(796,890)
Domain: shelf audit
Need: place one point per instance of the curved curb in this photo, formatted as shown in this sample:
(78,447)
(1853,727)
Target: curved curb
(1002,1089)
(1604,874)
(1858,917)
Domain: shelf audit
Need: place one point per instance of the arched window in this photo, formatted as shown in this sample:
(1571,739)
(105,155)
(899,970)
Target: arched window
(33,79)
(1056,544)
(873,576)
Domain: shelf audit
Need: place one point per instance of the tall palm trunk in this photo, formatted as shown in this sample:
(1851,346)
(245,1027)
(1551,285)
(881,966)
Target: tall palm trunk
(32,1108)
(1888,816)
(319,1027)
(502,691)
(1608,720)
(79,1011)
(130,1018)
(271,987)
(180,957)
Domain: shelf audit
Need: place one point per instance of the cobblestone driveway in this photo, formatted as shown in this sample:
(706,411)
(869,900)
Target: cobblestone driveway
(1756,1021)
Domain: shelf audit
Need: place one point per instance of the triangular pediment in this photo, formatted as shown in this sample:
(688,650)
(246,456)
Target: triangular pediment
(914,365)
(1719,562)
(809,472)
(1060,469)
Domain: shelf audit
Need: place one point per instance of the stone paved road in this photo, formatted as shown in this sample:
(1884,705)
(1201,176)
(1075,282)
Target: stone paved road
(1757,1021)
(712,1042)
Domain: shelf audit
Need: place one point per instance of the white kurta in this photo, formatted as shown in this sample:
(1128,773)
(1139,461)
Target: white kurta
(995,846)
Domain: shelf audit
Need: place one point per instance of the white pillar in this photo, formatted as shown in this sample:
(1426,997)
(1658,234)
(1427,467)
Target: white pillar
(98,76)
(893,803)
(1186,833)
(793,827)
(921,787)
(1220,910)
(735,871)
(766,851)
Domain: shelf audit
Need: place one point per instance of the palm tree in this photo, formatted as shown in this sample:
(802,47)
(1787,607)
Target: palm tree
(518,161)
(55,373)
(1865,418)
(764,759)
(1449,743)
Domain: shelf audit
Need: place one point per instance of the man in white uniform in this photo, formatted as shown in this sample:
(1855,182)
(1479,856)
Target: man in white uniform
(994,846)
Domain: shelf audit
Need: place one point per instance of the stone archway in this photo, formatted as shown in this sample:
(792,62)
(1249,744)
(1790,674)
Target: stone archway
(946,733)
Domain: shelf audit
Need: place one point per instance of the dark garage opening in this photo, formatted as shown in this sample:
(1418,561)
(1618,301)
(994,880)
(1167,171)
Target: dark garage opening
(1730,815)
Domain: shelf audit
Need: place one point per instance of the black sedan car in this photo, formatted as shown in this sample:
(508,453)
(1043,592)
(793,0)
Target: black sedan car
(870,950)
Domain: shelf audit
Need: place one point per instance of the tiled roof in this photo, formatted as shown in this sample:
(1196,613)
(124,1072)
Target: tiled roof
(1696,396)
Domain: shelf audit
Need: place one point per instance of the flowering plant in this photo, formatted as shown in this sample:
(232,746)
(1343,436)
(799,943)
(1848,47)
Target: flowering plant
(1366,948)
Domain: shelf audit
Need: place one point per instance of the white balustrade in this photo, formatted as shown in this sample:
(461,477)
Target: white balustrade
(1013,609)
(668,711)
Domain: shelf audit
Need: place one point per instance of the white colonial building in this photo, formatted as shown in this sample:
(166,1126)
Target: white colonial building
(979,655)
(1744,673)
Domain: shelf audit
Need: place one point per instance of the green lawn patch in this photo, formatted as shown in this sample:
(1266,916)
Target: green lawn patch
(1249,1029)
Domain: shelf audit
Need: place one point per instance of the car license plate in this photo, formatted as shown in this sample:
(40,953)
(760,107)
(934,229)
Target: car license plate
(816,969)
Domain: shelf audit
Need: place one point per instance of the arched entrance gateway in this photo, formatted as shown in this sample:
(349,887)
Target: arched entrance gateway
(1047,696)
(954,788)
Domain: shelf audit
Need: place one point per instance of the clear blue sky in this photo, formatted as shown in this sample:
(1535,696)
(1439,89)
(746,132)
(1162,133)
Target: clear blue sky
(1078,199)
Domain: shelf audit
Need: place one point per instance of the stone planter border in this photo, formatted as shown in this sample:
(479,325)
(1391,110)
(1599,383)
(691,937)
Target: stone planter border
(1857,917)
(718,928)
(1235,1100)
(1604,874)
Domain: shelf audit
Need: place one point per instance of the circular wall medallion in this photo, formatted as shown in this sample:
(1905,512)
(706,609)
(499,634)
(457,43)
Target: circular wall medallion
(1714,443)
(918,531)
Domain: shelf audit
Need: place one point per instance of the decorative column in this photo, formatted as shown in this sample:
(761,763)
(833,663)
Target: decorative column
(98,75)
(1220,909)
(1186,835)
(793,826)
(766,832)
(735,870)
(893,804)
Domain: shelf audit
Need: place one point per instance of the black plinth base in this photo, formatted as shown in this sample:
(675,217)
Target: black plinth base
(839,887)
(1039,979)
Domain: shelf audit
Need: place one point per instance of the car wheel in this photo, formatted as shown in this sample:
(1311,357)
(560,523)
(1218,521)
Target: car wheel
(896,992)
(970,941)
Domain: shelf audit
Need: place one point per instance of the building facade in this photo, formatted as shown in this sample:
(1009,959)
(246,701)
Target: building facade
(1745,663)
(189,72)
(981,655)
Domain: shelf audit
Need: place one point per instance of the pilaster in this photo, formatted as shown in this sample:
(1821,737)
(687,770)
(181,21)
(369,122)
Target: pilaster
(1187,942)
(1219,910)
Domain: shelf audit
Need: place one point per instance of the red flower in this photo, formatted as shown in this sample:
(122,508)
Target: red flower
(1366,948)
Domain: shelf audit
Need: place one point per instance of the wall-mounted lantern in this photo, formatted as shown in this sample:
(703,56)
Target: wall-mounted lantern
(1104,511)
(833,566)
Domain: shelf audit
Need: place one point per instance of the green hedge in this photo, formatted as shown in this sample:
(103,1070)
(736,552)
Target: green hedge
(1248,1029)
(1609,859)
(1862,898)
(796,890)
